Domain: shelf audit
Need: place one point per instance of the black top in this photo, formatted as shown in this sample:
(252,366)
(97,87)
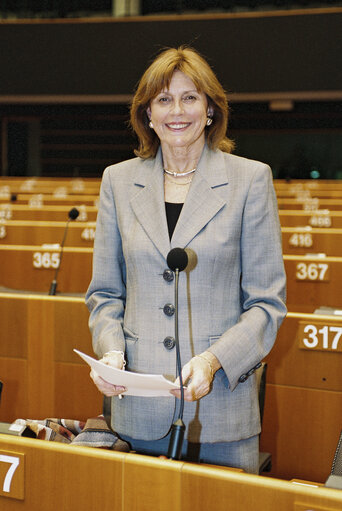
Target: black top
(173,210)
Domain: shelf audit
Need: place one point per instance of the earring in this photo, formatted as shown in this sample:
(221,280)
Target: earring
(209,121)
(150,125)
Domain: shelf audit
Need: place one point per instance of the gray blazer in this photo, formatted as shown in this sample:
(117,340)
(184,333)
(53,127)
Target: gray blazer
(231,296)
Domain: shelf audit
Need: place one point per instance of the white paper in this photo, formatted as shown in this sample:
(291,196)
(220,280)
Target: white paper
(137,384)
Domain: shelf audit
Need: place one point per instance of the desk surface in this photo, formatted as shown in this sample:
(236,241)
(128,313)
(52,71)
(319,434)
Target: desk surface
(53,476)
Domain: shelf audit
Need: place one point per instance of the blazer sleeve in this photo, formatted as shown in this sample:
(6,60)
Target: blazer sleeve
(106,295)
(263,283)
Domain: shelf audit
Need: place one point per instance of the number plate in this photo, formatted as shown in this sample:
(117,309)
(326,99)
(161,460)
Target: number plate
(322,220)
(88,234)
(12,475)
(301,239)
(46,260)
(3,232)
(314,272)
(320,336)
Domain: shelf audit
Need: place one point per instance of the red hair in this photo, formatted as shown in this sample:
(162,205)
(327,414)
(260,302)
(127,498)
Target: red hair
(157,77)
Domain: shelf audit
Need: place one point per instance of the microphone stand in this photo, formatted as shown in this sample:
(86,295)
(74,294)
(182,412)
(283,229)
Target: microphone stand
(53,285)
(73,214)
(178,427)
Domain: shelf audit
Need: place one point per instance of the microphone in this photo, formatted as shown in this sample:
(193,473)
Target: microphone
(177,260)
(73,214)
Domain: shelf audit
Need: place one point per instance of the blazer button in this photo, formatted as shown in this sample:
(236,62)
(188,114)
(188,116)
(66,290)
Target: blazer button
(169,309)
(242,378)
(169,343)
(168,275)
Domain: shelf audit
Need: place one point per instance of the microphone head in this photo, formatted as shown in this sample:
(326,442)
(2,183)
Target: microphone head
(73,213)
(177,258)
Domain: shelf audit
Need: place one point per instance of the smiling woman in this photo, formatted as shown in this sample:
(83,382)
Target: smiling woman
(185,190)
(174,107)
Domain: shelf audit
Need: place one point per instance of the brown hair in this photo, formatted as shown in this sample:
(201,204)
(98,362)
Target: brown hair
(157,77)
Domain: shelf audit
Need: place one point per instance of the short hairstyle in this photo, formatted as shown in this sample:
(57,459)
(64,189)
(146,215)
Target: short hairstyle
(157,77)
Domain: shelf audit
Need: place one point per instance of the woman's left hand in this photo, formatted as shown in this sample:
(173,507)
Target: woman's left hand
(199,372)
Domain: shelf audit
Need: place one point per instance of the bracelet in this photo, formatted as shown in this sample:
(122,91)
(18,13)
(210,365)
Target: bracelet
(120,352)
(203,357)
(120,396)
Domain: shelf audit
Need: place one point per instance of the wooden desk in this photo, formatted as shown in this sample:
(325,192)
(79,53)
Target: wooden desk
(308,184)
(42,375)
(45,213)
(51,199)
(32,268)
(321,193)
(320,218)
(88,479)
(313,282)
(36,232)
(310,204)
(303,407)
(301,240)
(59,185)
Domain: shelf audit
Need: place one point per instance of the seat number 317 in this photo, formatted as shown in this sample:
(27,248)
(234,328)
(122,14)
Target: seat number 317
(324,338)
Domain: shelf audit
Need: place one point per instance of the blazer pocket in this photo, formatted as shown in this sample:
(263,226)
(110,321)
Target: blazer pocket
(213,339)
(129,335)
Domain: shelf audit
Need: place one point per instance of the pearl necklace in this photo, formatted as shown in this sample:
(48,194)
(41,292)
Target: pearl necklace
(179,174)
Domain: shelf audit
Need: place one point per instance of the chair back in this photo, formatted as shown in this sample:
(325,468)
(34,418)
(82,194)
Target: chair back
(261,382)
(337,462)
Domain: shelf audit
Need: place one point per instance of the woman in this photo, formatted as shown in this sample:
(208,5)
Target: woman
(185,189)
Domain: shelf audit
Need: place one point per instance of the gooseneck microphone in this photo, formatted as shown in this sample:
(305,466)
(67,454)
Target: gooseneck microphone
(177,260)
(73,214)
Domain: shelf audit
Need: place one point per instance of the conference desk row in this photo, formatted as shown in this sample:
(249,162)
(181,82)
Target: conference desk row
(38,185)
(302,200)
(311,281)
(50,476)
(40,200)
(296,240)
(288,217)
(56,213)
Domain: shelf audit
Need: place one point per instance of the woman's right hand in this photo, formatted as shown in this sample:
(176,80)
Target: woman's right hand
(114,359)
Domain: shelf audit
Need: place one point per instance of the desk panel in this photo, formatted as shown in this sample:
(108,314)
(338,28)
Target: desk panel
(46,213)
(45,378)
(301,428)
(313,282)
(33,268)
(35,232)
(289,364)
(320,218)
(297,240)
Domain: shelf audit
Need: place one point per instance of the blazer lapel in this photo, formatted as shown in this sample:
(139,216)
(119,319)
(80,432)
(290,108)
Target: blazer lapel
(202,202)
(148,204)
(201,205)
